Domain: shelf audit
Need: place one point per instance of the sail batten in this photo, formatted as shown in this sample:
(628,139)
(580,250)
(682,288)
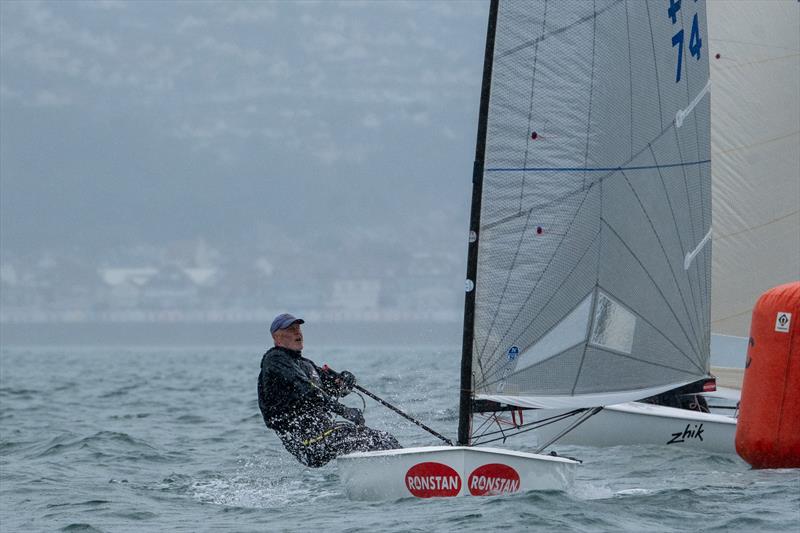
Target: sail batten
(595,186)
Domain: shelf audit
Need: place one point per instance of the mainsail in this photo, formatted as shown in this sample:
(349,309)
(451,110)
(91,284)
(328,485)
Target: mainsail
(755,134)
(590,252)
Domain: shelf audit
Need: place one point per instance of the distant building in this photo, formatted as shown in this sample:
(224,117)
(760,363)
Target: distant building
(125,285)
(355,295)
(204,277)
(127,276)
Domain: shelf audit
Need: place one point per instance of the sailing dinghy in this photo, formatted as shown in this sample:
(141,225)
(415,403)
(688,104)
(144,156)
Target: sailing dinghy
(588,272)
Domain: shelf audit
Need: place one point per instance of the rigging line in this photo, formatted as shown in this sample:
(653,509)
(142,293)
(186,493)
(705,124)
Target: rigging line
(591,91)
(680,238)
(487,421)
(528,427)
(688,338)
(586,416)
(555,32)
(537,424)
(754,145)
(493,365)
(508,278)
(718,238)
(655,66)
(531,426)
(499,426)
(493,418)
(530,105)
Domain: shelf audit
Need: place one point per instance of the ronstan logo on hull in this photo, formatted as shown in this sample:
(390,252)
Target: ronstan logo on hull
(493,478)
(430,480)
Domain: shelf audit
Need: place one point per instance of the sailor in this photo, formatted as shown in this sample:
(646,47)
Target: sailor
(686,397)
(299,401)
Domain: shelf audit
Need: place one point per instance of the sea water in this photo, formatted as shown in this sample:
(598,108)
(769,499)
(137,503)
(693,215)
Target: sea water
(147,439)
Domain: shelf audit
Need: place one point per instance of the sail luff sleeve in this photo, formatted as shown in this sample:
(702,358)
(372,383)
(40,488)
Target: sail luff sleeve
(465,398)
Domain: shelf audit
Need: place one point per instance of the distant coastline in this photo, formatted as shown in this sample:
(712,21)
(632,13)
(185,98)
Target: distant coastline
(320,330)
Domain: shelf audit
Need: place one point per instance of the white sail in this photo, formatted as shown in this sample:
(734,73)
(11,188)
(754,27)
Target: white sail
(594,258)
(755,138)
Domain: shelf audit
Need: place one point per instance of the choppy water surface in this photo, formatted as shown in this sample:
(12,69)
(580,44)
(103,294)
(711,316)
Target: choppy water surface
(136,439)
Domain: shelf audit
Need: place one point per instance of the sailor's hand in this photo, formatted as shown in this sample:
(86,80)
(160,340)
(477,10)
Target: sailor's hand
(353,415)
(346,382)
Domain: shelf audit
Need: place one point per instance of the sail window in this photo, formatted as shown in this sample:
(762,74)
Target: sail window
(569,332)
(613,326)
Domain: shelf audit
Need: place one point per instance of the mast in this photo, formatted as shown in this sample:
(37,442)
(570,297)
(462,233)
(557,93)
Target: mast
(465,402)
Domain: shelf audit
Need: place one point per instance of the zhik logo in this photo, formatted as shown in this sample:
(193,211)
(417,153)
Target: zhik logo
(689,433)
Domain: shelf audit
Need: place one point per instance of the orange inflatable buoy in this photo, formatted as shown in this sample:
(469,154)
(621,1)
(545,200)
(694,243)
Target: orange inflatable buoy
(768,429)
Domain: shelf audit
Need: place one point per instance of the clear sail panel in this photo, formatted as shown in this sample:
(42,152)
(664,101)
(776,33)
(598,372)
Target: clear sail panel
(596,195)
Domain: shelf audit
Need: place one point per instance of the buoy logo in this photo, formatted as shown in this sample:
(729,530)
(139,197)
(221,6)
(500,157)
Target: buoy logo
(492,479)
(782,322)
(432,480)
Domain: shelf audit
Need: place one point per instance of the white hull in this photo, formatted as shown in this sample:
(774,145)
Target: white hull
(639,423)
(445,471)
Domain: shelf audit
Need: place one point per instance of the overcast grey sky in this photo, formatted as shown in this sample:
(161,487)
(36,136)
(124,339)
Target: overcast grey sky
(149,121)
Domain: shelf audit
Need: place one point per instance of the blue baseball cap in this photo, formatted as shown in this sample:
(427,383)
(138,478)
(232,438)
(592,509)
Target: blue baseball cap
(284,320)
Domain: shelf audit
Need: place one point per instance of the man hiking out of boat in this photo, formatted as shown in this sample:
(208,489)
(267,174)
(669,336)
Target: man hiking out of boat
(299,401)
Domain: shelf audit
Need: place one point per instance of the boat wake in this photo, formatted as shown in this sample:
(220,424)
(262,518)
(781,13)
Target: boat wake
(260,484)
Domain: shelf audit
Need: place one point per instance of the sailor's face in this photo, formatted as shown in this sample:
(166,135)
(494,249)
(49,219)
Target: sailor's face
(290,337)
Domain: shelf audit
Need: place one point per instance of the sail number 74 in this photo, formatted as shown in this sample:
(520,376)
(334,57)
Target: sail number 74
(695,42)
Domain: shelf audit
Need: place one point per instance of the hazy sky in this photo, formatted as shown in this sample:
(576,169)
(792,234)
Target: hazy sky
(126,122)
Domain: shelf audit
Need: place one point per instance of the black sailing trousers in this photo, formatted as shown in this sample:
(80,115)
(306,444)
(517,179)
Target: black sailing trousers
(342,438)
